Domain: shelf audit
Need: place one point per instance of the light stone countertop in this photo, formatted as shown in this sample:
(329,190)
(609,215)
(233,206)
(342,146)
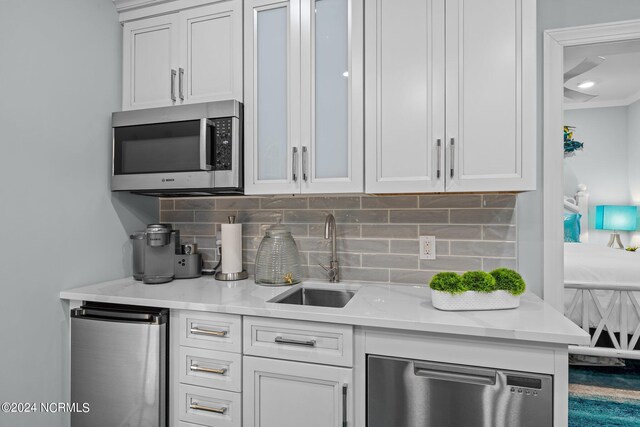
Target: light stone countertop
(375,305)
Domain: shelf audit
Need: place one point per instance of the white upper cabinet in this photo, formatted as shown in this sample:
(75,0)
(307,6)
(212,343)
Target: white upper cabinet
(304,97)
(450,95)
(405,96)
(190,56)
(149,58)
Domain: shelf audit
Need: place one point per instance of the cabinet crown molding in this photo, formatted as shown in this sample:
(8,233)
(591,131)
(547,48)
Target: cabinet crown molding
(124,5)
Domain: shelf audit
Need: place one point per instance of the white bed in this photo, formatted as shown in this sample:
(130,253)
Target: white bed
(602,290)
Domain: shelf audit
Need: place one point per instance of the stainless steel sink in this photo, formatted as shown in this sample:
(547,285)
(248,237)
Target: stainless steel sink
(336,298)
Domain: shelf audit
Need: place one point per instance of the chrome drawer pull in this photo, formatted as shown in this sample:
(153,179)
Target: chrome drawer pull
(207,408)
(310,343)
(196,368)
(198,331)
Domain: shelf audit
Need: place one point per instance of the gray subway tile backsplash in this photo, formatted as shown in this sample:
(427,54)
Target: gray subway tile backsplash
(203,204)
(389,231)
(499,201)
(419,216)
(446,201)
(377,235)
(483,216)
(334,202)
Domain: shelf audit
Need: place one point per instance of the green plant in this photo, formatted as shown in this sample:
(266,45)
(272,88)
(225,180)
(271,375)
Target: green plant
(508,280)
(447,282)
(478,281)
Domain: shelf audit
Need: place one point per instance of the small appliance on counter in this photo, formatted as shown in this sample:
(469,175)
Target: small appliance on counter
(158,256)
(231,253)
(278,260)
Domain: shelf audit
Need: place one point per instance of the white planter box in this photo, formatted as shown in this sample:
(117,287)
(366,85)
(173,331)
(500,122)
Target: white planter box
(471,300)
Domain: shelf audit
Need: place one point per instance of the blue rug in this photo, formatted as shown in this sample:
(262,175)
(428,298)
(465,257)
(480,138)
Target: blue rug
(604,396)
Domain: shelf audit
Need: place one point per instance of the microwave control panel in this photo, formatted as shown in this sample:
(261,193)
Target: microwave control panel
(223,160)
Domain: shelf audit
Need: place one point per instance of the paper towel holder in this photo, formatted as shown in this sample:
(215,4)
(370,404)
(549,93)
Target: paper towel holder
(230,277)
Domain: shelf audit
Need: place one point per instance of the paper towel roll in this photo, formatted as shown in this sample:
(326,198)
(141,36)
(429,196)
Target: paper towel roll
(231,248)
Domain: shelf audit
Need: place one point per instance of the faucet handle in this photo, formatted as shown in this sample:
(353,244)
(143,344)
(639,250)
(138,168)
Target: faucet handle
(332,271)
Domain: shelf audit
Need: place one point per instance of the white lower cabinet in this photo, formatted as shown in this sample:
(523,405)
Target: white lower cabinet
(279,393)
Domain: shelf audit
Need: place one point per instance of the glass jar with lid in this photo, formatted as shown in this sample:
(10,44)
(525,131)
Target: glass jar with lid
(278,260)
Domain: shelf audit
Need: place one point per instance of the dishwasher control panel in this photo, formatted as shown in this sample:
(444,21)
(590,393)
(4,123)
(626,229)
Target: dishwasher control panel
(525,386)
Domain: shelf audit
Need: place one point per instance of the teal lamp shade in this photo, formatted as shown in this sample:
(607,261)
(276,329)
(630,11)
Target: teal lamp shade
(617,218)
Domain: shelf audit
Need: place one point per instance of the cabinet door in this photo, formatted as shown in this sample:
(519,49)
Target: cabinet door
(272,97)
(211,52)
(149,63)
(332,96)
(404,96)
(279,393)
(490,95)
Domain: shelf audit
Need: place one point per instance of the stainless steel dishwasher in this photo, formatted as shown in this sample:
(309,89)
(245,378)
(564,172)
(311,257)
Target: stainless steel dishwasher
(416,393)
(119,365)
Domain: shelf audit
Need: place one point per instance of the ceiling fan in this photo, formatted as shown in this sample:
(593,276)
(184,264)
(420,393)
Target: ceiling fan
(587,64)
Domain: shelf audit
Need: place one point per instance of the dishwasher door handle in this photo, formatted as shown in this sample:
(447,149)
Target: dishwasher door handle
(122,316)
(462,374)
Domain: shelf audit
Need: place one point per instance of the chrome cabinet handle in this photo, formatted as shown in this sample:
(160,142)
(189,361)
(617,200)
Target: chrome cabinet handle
(309,343)
(180,85)
(344,405)
(198,331)
(207,408)
(173,84)
(453,152)
(305,154)
(196,368)
(294,164)
(439,144)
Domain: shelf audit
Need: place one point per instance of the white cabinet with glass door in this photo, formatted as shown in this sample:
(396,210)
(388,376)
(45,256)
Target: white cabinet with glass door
(450,95)
(189,56)
(304,96)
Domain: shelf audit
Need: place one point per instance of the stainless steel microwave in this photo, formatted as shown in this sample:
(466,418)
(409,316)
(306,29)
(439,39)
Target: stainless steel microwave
(184,150)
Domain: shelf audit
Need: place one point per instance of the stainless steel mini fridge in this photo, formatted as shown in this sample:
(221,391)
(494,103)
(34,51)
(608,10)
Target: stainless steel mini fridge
(417,393)
(119,366)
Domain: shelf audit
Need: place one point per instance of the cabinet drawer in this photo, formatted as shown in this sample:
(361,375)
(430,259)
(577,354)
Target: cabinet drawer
(209,368)
(210,407)
(325,343)
(222,332)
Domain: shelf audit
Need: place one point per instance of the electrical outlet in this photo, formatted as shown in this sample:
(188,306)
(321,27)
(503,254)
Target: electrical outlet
(427,247)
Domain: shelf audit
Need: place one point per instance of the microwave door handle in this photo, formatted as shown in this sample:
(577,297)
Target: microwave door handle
(206,133)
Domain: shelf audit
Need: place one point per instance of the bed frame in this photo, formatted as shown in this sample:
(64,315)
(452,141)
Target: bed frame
(623,344)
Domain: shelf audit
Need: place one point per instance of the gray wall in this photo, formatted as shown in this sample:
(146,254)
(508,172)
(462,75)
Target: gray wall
(602,166)
(60,69)
(557,14)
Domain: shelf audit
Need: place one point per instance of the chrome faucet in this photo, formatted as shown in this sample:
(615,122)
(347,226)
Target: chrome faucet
(330,233)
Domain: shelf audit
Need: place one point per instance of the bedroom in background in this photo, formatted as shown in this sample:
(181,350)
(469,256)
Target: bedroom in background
(601,185)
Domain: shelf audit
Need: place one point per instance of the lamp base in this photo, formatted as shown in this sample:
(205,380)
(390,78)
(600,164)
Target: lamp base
(615,242)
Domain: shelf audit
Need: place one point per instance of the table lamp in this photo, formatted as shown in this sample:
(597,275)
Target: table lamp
(616,218)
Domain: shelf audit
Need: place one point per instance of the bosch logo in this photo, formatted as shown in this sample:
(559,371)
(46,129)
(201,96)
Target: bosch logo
(168,179)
